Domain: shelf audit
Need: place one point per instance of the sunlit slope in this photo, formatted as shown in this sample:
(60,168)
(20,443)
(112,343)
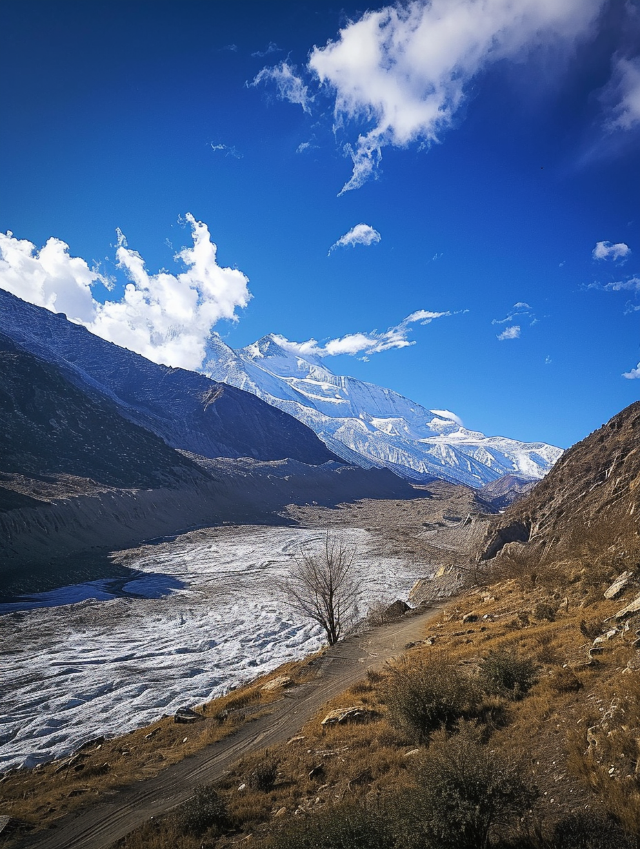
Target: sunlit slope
(371,425)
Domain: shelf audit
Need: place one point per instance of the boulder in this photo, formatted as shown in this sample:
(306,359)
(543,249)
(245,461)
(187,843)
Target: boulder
(632,607)
(276,684)
(469,617)
(340,716)
(619,585)
(397,609)
(186,715)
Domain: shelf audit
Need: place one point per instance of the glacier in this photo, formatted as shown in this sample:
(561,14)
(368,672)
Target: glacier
(369,425)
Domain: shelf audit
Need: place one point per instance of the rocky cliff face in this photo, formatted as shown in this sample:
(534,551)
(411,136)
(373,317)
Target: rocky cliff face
(187,410)
(591,498)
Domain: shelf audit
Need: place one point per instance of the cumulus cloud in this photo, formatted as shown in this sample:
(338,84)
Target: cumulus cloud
(404,71)
(165,317)
(634,374)
(363,344)
(605,250)
(289,86)
(361,234)
(510,333)
(623,94)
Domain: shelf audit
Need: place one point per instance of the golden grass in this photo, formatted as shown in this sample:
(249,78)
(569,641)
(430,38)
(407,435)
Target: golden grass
(323,766)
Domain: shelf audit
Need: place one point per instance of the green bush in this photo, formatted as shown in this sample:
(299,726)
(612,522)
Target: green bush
(345,826)
(466,791)
(430,695)
(205,811)
(507,673)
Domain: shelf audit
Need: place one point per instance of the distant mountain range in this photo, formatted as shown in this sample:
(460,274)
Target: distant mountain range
(372,426)
(102,449)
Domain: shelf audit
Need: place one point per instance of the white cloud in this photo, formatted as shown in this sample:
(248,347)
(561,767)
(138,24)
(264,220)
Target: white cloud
(404,71)
(361,234)
(289,86)
(363,344)
(547,360)
(521,309)
(634,374)
(272,47)
(510,333)
(623,94)
(631,284)
(228,150)
(447,414)
(165,317)
(308,145)
(605,250)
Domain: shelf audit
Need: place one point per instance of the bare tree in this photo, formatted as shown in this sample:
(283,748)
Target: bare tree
(323,585)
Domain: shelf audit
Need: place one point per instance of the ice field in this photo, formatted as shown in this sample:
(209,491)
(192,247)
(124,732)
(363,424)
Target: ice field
(199,616)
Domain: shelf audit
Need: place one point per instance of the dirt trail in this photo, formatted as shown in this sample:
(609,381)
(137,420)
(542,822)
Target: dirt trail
(98,826)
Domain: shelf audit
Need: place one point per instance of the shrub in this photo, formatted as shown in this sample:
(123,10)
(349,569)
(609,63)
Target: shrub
(465,791)
(264,775)
(544,610)
(345,826)
(588,830)
(204,811)
(422,697)
(505,672)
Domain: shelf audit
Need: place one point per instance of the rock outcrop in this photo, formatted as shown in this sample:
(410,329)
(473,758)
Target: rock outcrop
(590,500)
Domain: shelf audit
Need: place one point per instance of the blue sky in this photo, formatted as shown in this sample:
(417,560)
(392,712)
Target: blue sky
(487,155)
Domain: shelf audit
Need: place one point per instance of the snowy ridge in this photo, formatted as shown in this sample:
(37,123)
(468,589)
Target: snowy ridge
(370,425)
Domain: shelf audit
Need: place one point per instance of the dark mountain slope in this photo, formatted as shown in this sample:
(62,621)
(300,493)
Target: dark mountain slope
(51,428)
(590,498)
(188,410)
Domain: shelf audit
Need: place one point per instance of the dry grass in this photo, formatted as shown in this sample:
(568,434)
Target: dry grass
(368,763)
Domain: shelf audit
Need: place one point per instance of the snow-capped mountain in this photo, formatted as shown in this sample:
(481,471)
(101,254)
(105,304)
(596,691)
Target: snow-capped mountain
(370,425)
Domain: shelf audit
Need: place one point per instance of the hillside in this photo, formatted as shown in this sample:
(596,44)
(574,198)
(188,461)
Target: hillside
(185,409)
(510,721)
(589,502)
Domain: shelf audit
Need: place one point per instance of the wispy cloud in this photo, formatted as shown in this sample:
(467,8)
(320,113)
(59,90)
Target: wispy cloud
(605,250)
(166,317)
(361,234)
(631,284)
(308,145)
(622,95)
(520,310)
(510,333)
(404,71)
(364,344)
(289,86)
(228,150)
(272,47)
